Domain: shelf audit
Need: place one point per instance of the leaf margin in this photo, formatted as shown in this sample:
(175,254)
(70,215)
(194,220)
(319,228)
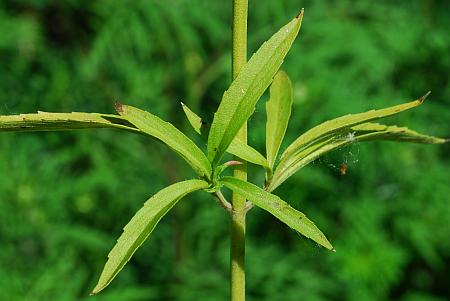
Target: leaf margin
(278,112)
(360,133)
(278,208)
(109,273)
(240,98)
(167,133)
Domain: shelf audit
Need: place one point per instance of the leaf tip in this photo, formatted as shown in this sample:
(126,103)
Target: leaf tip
(118,106)
(94,292)
(333,250)
(422,99)
(233,163)
(300,14)
(97,289)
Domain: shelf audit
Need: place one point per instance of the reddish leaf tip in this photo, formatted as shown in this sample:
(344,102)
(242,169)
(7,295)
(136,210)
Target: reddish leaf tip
(118,106)
(422,99)
(233,163)
(300,14)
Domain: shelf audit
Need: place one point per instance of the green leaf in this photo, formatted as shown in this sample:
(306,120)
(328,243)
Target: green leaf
(168,134)
(237,147)
(278,110)
(331,126)
(238,102)
(363,132)
(247,153)
(142,225)
(196,122)
(278,208)
(375,131)
(44,121)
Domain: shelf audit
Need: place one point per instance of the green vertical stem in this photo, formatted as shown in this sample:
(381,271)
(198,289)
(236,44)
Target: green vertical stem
(237,248)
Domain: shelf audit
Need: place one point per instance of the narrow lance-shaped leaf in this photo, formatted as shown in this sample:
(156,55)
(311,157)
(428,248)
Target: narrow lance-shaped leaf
(238,102)
(376,131)
(278,110)
(45,121)
(237,147)
(195,121)
(168,134)
(247,153)
(331,126)
(363,132)
(142,225)
(278,208)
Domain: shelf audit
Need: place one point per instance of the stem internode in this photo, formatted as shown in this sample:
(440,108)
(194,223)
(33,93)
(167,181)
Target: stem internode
(237,248)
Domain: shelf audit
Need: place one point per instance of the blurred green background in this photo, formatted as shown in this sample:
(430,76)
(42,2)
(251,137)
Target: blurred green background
(64,197)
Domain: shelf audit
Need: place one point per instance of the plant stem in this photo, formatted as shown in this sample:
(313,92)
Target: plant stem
(237,247)
(223,202)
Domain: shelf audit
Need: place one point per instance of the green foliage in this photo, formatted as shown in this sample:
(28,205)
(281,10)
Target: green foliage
(278,208)
(247,153)
(44,121)
(341,131)
(141,225)
(363,132)
(168,134)
(195,121)
(278,110)
(238,102)
(341,123)
(236,147)
(74,55)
